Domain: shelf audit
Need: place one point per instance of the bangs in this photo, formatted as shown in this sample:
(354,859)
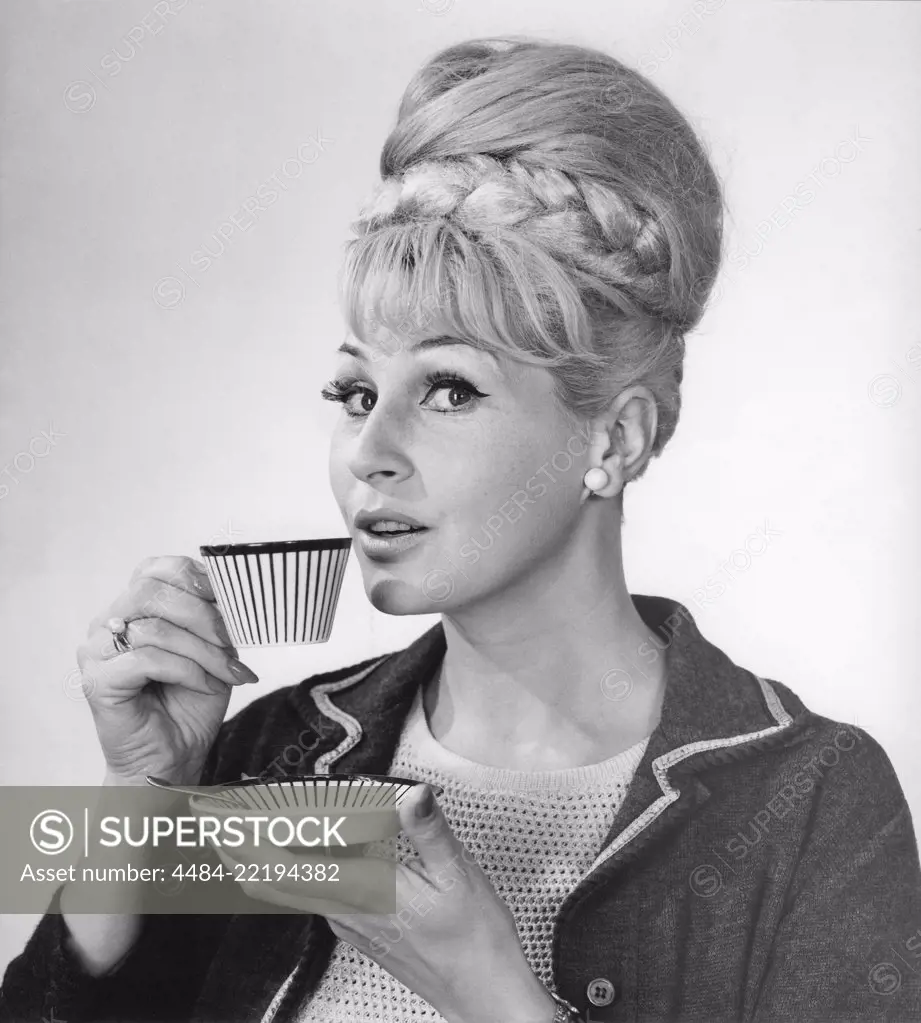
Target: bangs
(422,279)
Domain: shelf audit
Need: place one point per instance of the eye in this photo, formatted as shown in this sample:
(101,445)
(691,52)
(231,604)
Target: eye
(453,384)
(343,389)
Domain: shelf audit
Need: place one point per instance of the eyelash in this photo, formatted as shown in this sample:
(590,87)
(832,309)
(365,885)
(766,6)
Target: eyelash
(342,388)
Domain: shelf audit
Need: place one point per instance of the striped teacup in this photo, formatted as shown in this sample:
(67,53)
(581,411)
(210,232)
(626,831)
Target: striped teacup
(278,593)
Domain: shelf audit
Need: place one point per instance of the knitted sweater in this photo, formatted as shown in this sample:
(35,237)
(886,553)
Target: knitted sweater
(534,833)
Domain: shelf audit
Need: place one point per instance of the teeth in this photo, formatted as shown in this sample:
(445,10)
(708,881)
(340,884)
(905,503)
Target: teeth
(390,527)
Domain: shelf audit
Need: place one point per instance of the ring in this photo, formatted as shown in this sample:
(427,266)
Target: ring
(119,629)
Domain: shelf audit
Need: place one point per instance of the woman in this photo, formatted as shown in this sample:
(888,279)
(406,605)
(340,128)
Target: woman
(633,827)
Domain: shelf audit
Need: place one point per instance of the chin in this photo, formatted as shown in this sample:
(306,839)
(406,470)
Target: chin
(397,597)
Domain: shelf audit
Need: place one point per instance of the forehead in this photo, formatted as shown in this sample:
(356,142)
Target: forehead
(402,302)
(392,315)
(395,325)
(401,322)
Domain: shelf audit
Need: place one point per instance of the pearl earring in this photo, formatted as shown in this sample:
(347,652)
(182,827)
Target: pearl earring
(595,479)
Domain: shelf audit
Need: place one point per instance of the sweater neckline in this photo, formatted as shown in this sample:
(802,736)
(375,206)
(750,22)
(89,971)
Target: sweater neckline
(618,768)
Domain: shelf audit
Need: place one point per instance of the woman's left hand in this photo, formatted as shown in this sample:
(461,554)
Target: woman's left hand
(453,941)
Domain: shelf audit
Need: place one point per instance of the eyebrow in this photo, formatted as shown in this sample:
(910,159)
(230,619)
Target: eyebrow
(424,344)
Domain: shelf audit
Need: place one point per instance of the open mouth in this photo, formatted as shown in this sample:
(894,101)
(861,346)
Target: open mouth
(401,531)
(385,531)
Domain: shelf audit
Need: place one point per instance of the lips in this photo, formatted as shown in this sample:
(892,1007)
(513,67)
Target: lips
(381,547)
(392,529)
(390,518)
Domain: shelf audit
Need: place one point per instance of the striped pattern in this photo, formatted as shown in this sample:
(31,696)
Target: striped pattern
(278,594)
(310,794)
(368,806)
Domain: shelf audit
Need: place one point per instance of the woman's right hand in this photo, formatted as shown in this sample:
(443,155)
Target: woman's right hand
(158,707)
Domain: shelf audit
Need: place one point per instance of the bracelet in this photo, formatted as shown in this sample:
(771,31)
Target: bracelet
(566,1012)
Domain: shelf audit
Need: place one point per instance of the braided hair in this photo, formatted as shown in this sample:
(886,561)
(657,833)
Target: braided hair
(545,202)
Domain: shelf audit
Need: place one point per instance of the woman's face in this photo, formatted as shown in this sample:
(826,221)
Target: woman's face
(475,449)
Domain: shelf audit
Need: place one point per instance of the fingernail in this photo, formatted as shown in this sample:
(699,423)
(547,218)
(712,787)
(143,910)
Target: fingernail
(240,671)
(426,805)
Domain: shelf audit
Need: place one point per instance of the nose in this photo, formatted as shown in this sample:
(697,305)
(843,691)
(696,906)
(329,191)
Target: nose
(380,450)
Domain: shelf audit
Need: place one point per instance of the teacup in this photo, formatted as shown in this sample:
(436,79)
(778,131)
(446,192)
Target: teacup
(278,593)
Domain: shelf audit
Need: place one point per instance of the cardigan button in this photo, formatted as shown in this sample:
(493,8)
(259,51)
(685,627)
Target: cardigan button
(600,991)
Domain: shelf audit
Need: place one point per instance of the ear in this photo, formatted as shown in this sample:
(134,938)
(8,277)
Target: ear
(622,438)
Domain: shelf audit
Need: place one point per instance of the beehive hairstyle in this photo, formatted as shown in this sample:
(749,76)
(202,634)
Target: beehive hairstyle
(544,202)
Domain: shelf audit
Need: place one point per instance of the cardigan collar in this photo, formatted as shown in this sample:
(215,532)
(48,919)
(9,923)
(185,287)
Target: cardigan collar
(710,703)
(713,711)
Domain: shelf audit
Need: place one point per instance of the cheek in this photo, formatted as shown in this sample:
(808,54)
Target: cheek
(472,480)
(510,495)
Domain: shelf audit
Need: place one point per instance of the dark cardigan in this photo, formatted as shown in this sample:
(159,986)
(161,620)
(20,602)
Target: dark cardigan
(763,867)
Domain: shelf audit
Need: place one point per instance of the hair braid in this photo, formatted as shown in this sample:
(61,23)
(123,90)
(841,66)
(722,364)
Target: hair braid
(564,202)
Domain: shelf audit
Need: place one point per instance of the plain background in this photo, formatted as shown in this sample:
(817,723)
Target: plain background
(183,402)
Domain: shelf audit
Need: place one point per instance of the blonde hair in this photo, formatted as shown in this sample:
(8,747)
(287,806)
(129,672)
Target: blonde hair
(545,202)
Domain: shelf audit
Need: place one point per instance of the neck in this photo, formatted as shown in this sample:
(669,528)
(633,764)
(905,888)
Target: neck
(551,672)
